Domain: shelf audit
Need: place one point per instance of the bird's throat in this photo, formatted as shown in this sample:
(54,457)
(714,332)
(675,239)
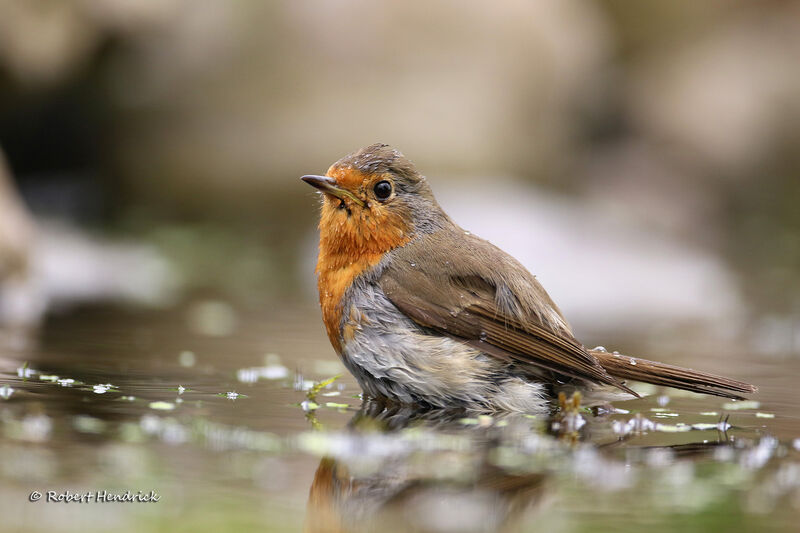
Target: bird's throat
(348,247)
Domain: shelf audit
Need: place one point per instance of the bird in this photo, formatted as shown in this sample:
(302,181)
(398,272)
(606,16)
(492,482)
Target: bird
(422,312)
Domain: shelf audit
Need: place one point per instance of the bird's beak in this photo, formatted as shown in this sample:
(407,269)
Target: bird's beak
(328,186)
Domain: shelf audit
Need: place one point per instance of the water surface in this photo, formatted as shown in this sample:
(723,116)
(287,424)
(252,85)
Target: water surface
(213,410)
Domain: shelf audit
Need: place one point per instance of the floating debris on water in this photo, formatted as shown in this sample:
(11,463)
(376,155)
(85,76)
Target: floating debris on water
(669,428)
(705,426)
(724,454)
(26,372)
(274,372)
(302,384)
(309,405)
(36,428)
(569,418)
(48,377)
(316,388)
(764,415)
(735,405)
(247,375)
(637,424)
(88,424)
(181,389)
(168,430)
(665,415)
(758,456)
(709,413)
(66,382)
(6,391)
(335,405)
(150,423)
(232,395)
(161,406)
(253,374)
(102,388)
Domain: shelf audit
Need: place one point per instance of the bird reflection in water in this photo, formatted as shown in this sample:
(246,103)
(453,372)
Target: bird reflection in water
(456,487)
(401,469)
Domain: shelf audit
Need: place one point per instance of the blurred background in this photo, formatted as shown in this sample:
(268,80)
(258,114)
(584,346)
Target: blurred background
(641,158)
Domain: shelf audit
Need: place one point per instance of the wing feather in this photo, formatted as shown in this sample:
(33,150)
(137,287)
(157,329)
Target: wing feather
(502,311)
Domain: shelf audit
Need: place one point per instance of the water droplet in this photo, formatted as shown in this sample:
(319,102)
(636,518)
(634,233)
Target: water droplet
(413,264)
(599,349)
(633,361)
(467,233)
(484,335)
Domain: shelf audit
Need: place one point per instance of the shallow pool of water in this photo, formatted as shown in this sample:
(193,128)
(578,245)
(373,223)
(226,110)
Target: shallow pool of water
(228,421)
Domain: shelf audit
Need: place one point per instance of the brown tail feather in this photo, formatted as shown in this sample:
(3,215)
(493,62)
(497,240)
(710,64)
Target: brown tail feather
(625,367)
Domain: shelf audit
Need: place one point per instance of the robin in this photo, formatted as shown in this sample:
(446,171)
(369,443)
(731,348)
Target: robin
(422,312)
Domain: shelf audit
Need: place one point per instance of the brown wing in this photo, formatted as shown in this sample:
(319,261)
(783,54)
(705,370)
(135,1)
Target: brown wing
(465,287)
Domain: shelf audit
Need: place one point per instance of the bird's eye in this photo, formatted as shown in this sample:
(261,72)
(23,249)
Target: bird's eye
(383,189)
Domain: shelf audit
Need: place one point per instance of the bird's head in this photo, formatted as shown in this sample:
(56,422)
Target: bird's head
(374,200)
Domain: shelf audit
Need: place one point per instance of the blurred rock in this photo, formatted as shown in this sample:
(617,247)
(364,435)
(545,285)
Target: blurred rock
(16,243)
(727,95)
(44,41)
(16,227)
(56,266)
(71,266)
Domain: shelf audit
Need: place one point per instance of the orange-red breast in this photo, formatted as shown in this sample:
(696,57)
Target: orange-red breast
(423,312)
